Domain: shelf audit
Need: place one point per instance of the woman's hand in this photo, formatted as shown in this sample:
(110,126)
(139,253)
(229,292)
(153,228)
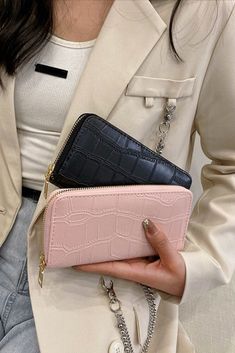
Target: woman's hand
(167,273)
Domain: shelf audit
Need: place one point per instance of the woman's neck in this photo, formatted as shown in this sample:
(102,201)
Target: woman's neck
(80,20)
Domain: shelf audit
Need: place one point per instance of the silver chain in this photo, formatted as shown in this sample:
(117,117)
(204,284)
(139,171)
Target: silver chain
(164,127)
(115,307)
(114,302)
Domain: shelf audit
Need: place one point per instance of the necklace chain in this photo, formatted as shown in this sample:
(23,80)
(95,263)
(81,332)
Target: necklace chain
(115,307)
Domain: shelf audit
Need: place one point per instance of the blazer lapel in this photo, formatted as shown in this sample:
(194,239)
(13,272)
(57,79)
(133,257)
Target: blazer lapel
(10,146)
(130,31)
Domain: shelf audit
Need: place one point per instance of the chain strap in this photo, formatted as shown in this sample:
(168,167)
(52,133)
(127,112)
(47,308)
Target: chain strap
(150,297)
(164,127)
(115,307)
(114,302)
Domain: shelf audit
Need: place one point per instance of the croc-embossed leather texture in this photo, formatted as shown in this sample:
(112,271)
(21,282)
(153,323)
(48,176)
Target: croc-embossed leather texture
(91,225)
(98,153)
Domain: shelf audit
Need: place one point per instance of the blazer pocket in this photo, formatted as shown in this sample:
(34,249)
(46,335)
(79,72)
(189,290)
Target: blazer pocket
(154,87)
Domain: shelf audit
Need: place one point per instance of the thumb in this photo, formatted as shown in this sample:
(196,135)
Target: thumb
(160,242)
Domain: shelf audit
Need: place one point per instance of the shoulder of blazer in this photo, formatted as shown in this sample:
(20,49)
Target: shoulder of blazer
(212,15)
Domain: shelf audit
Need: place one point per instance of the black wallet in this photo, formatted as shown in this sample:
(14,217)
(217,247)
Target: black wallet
(97,153)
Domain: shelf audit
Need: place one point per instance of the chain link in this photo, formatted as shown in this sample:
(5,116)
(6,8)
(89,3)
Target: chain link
(164,127)
(115,307)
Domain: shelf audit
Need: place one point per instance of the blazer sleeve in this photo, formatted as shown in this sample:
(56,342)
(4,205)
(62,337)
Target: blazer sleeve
(209,253)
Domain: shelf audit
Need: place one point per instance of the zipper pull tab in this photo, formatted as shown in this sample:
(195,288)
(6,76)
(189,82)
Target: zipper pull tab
(42,266)
(47,178)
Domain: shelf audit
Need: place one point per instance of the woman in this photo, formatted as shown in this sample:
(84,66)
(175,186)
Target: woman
(126,78)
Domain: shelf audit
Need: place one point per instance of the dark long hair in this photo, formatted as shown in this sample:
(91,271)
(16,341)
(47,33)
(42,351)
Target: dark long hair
(25,26)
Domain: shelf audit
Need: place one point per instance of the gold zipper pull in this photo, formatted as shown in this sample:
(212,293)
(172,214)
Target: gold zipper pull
(47,178)
(42,266)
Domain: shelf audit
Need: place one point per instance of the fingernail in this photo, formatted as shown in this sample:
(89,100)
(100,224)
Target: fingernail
(145,223)
(149,226)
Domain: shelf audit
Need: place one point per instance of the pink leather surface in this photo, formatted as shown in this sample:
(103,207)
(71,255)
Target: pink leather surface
(105,223)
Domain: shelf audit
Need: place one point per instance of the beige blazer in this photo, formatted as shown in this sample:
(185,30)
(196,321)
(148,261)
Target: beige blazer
(128,77)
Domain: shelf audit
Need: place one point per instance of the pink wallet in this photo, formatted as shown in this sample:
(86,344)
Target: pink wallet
(90,225)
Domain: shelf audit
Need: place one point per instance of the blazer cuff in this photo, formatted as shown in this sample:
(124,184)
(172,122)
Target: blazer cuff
(203,273)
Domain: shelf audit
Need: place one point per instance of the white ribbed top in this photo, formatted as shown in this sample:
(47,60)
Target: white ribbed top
(42,102)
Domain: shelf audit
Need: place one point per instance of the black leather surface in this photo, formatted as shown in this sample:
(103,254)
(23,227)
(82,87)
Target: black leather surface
(98,153)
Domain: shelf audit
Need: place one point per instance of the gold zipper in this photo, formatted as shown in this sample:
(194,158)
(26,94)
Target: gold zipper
(42,266)
(47,178)
(42,258)
(52,165)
